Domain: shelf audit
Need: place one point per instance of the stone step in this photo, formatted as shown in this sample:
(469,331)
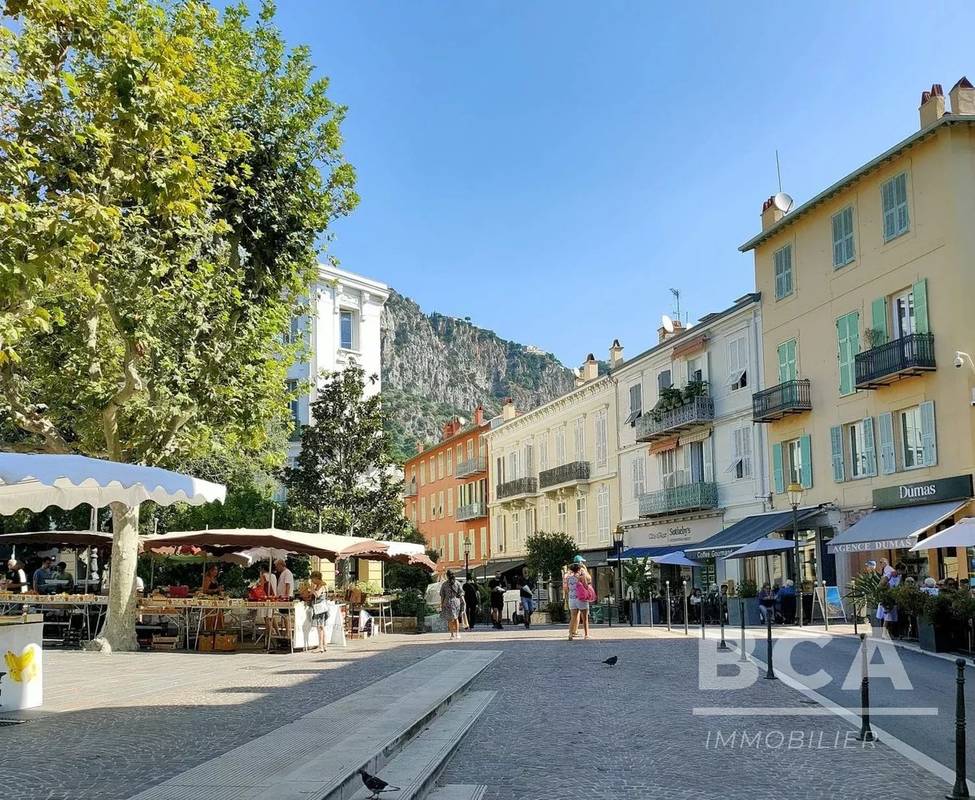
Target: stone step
(458,791)
(417,766)
(318,755)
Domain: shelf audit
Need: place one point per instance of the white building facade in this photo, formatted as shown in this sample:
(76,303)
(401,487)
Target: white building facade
(690,460)
(341,328)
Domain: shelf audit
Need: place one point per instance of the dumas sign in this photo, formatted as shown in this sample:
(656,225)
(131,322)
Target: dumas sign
(939,490)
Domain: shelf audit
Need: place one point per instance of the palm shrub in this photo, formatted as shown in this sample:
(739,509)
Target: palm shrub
(748,588)
(638,573)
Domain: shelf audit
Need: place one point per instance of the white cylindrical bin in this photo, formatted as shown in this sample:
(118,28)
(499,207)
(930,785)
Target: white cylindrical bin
(22,685)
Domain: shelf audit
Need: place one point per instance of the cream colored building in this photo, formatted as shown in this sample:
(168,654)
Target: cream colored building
(867,294)
(554,469)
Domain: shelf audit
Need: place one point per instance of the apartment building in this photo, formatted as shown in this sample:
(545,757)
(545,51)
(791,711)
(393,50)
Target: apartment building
(554,469)
(446,493)
(867,325)
(691,461)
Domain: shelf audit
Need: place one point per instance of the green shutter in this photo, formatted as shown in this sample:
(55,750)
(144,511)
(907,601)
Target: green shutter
(920,292)
(848,345)
(878,318)
(836,446)
(869,448)
(787,361)
(805,451)
(929,439)
(778,478)
(888,459)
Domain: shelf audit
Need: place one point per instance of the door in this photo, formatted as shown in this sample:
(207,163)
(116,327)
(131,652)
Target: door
(902,310)
(697,462)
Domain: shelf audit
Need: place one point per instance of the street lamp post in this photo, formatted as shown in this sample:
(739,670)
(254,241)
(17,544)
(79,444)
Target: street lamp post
(618,543)
(467,555)
(795,499)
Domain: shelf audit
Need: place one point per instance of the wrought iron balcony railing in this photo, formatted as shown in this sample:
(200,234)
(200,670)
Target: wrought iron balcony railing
(690,497)
(471,466)
(516,488)
(573,472)
(470,511)
(409,490)
(900,358)
(791,397)
(699,411)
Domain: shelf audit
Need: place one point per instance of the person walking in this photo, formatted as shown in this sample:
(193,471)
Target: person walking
(472,600)
(576,586)
(497,588)
(527,602)
(452,603)
(317,599)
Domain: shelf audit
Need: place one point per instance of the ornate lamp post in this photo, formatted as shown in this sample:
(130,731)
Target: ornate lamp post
(467,555)
(618,535)
(795,500)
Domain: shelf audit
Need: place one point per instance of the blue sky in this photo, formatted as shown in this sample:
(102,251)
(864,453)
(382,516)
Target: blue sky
(551,169)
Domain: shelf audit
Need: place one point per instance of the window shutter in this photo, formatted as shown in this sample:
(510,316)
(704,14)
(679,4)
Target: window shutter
(706,460)
(869,447)
(900,187)
(920,291)
(848,343)
(838,250)
(787,361)
(888,459)
(783,364)
(890,210)
(848,233)
(746,451)
(805,474)
(836,446)
(929,439)
(878,317)
(778,477)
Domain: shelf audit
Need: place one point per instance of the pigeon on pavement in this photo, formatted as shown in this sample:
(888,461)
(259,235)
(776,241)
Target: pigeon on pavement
(375,784)
(611,661)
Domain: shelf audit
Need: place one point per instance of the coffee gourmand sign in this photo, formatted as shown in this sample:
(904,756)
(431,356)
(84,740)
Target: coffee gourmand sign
(939,490)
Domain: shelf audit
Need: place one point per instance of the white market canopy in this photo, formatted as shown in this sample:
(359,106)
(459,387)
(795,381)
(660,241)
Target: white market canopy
(324,545)
(961,534)
(35,481)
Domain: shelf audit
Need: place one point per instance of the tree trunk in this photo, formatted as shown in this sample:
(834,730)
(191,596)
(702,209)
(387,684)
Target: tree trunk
(119,630)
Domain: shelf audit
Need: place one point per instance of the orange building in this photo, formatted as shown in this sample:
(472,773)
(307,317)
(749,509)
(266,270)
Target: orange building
(446,493)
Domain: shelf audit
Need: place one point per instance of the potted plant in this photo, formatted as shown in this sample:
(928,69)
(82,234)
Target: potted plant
(934,623)
(638,576)
(963,615)
(866,593)
(693,390)
(875,337)
(911,603)
(747,600)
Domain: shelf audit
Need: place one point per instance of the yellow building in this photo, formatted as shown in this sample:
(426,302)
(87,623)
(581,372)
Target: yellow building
(554,469)
(867,302)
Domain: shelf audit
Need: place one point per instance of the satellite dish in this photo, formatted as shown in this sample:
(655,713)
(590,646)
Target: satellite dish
(783,202)
(668,323)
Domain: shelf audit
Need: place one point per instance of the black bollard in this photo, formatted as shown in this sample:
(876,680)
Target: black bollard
(825,608)
(960,789)
(685,607)
(866,735)
(856,613)
(741,608)
(721,644)
(630,614)
(769,672)
(701,607)
(668,605)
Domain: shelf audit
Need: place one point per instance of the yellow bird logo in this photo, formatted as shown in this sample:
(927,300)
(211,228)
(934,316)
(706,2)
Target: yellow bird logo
(23,668)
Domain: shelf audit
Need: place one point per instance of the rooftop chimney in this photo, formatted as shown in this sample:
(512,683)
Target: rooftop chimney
(932,105)
(962,96)
(508,411)
(615,354)
(478,416)
(590,369)
(663,334)
(770,214)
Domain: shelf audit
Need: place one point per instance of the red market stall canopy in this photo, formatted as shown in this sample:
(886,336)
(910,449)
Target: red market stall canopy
(323,545)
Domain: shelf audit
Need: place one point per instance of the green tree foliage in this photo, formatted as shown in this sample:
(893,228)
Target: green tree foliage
(549,554)
(345,471)
(638,574)
(166,173)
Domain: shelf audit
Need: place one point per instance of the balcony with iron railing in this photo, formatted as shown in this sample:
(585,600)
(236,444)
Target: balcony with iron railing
(470,511)
(790,397)
(660,424)
(519,487)
(409,489)
(891,361)
(471,466)
(564,474)
(690,497)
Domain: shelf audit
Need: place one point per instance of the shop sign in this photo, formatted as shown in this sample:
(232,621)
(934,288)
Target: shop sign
(669,534)
(866,547)
(939,490)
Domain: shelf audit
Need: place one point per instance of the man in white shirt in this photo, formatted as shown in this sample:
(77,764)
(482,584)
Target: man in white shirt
(286,581)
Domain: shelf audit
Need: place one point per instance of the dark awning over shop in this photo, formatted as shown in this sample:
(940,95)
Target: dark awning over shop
(504,566)
(892,528)
(650,552)
(745,532)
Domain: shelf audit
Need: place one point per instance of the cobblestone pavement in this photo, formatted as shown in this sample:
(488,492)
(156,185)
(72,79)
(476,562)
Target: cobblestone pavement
(562,724)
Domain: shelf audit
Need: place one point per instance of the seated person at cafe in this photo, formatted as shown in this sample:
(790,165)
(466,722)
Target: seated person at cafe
(766,603)
(41,576)
(787,601)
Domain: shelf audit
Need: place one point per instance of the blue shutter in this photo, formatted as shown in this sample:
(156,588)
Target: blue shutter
(878,318)
(888,458)
(778,478)
(929,440)
(836,447)
(869,448)
(805,450)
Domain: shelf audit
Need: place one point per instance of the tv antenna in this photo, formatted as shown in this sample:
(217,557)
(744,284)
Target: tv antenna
(676,294)
(778,169)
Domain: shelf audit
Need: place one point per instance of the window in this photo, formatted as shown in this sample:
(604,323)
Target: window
(579,438)
(513,473)
(636,404)
(423,509)
(788,367)
(602,437)
(543,453)
(546,520)
(793,463)
(440,504)
(860,449)
(664,380)
(529,459)
(560,510)
(499,462)
(602,513)
(529,522)
(848,345)
(450,503)
(423,473)
(783,271)
(695,369)
(843,248)
(295,329)
(484,543)
(902,313)
(450,460)
(450,547)
(669,470)
(559,446)
(516,526)
(638,476)
(741,449)
(292,387)
(918,444)
(738,363)
(893,195)
(347,337)
(470,451)
(581,518)
(439,466)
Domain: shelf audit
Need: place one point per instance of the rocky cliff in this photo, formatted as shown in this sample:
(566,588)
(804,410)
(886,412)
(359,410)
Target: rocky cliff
(435,367)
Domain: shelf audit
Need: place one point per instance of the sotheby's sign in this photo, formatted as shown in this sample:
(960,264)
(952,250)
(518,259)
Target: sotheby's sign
(939,490)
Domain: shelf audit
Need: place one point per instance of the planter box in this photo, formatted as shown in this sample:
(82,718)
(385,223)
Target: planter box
(434,623)
(403,625)
(933,638)
(752,617)
(642,611)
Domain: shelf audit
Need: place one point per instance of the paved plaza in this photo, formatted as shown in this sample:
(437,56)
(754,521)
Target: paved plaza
(560,724)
